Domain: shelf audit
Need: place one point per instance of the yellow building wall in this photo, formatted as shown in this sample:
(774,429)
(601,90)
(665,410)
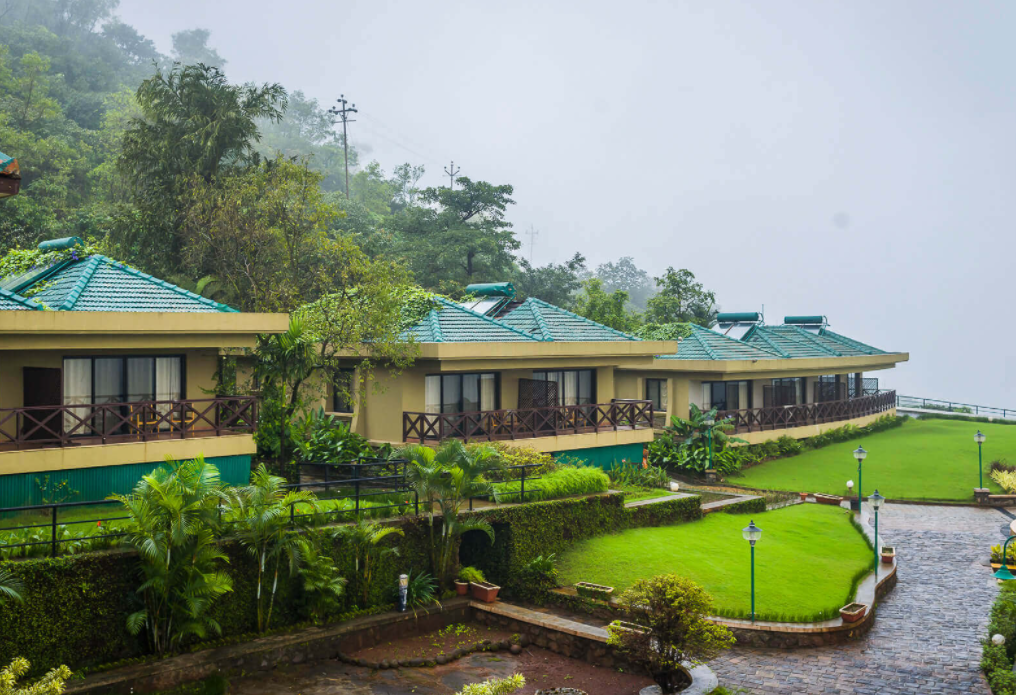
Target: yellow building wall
(810,430)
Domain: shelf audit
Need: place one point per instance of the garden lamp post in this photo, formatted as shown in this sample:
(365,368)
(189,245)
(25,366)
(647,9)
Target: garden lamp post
(859,454)
(876,504)
(752,533)
(979,438)
(1003,572)
(709,422)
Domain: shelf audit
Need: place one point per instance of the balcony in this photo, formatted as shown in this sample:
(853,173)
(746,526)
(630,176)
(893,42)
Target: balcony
(789,416)
(499,425)
(53,426)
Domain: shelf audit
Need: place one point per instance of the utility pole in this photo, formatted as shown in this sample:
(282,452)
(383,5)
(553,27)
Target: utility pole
(452,172)
(343,113)
(533,233)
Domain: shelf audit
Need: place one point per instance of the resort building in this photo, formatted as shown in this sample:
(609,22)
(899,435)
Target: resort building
(798,379)
(535,375)
(105,372)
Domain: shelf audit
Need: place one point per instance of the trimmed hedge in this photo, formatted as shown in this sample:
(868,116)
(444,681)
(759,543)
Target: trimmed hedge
(564,482)
(755,506)
(997,660)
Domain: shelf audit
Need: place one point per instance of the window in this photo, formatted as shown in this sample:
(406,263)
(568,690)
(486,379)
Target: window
(342,391)
(787,392)
(574,386)
(119,380)
(726,395)
(461,393)
(656,391)
(828,387)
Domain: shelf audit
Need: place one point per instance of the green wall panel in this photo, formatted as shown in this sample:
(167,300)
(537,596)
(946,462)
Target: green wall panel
(91,484)
(606,456)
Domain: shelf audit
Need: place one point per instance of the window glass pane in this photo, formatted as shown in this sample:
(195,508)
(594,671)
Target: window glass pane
(540,376)
(488,392)
(451,393)
(719,395)
(556,378)
(470,393)
(432,394)
(731,392)
(140,379)
(571,388)
(586,394)
(108,386)
(342,391)
(77,388)
(743,400)
(664,402)
(707,396)
(168,378)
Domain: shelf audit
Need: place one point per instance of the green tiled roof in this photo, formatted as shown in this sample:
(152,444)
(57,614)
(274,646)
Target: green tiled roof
(451,323)
(15,302)
(548,322)
(794,341)
(704,344)
(98,283)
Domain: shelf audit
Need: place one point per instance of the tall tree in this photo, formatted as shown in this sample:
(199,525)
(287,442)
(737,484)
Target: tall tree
(681,299)
(556,283)
(609,309)
(625,275)
(191,47)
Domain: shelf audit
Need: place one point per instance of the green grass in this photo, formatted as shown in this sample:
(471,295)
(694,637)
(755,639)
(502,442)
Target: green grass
(921,460)
(806,564)
(636,494)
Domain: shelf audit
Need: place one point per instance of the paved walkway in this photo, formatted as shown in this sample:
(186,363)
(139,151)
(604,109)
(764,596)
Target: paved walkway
(926,637)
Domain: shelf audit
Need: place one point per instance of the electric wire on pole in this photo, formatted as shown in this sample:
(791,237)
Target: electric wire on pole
(343,113)
(452,172)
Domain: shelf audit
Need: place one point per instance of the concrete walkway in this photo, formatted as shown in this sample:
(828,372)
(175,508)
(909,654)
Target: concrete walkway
(926,637)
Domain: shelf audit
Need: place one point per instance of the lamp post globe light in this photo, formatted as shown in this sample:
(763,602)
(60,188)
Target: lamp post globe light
(859,454)
(752,534)
(876,501)
(709,421)
(1003,572)
(979,438)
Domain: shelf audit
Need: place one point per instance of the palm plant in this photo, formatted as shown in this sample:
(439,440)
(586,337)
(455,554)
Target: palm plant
(266,526)
(694,433)
(10,587)
(365,537)
(172,520)
(322,585)
(447,477)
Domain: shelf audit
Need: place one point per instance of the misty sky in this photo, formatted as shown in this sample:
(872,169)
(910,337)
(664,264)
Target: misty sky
(853,159)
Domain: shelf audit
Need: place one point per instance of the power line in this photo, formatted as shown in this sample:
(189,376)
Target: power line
(343,113)
(451,175)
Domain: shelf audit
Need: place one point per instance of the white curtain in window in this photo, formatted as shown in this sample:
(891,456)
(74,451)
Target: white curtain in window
(77,389)
(571,388)
(663,394)
(432,394)
(139,379)
(168,386)
(488,392)
(742,394)
(707,396)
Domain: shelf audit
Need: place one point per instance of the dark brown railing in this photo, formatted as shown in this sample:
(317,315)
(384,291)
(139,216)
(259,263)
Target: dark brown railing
(787,416)
(494,425)
(41,427)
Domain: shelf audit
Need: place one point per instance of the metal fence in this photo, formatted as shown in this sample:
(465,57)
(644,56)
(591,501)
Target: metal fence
(362,482)
(953,407)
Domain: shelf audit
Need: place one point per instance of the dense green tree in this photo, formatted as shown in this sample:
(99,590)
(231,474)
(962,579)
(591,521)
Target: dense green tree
(625,275)
(556,283)
(681,299)
(609,309)
(191,47)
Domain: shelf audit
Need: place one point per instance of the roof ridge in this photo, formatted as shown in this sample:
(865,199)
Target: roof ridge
(452,305)
(18,299)
(435,326)
(768,341)
(541,322)
(91,265)
(705,346)
(581,318)
(168,285)
(811,339)
(856,344)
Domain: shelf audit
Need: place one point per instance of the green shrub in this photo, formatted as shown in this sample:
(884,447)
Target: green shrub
(520,456)
(638,475)
(471,574)
(997,660)
(495,686)
(328,439)
(564,482)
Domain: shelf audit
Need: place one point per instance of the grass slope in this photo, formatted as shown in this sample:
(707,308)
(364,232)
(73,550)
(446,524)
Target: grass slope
(921,460)
(805,564)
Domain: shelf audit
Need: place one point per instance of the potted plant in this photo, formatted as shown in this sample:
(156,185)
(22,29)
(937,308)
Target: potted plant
(852,612)
(888,554)
(598,592)
(467,575)
(484,591)
(804,496)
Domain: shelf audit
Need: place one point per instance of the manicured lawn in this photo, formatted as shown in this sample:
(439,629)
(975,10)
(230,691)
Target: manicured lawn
(805,563)
(922,460)
(637,494)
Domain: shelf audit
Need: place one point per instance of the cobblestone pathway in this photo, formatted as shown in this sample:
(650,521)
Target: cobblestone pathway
(926,636)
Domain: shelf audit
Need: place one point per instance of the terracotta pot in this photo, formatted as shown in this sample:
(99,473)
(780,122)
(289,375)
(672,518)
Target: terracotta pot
(484,591)
(804,496)
(853,612)
(888,554)
(461,588)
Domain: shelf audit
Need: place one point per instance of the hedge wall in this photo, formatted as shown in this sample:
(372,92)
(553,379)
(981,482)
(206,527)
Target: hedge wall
(76,606)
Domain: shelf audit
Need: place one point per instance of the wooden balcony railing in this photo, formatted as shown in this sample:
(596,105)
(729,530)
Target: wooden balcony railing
(495,425)
(42,427)
(787,416)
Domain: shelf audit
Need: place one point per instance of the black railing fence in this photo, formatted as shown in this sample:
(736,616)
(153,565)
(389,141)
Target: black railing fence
(362,483)
(954,407)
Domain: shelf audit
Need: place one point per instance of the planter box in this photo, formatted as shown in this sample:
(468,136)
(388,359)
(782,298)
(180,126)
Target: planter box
(594,591)
(828,499)
(853,612)
(461,588)
(888,554)
(630,627)
(998,566)
(484,591)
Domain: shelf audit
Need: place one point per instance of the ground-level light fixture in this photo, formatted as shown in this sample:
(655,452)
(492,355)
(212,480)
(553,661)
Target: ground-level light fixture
(752,534)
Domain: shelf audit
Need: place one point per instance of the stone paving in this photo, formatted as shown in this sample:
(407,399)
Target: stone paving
(926,637)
